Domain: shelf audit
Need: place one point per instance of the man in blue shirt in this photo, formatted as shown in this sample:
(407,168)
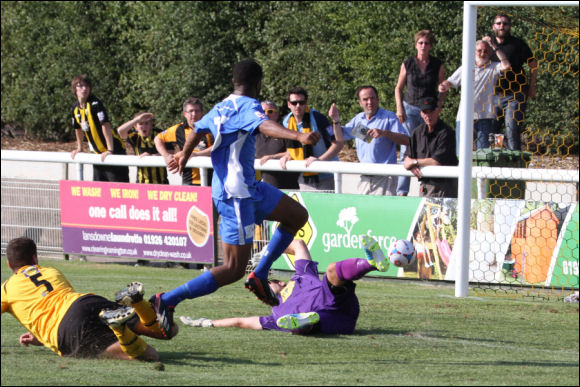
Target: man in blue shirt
(240,199)
(378,144)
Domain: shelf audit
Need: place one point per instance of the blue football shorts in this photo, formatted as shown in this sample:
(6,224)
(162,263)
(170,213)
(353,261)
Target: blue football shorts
(240,216)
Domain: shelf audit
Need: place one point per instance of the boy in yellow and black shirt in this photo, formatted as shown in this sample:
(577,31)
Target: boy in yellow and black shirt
(90,120)
(71,323)
(140,133)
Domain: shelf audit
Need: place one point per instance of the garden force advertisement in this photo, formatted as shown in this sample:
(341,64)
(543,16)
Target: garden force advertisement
(142,221)
(512,241)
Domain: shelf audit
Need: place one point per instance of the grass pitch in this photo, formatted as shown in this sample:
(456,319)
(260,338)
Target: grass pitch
(408,333)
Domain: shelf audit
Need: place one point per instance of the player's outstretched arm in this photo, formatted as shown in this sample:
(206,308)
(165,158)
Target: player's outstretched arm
(182,157)
(274,129)
(235,322)
(299,249)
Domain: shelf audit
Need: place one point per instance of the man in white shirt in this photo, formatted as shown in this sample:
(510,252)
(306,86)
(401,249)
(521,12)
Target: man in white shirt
(485,78)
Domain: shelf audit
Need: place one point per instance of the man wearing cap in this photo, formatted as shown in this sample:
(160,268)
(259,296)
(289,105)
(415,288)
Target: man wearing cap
(432,143)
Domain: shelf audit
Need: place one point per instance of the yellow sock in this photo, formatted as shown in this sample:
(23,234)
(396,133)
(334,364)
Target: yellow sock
(133,345)
(147,315)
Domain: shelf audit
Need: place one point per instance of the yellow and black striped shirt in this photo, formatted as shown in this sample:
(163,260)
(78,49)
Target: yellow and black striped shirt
(90,119)
(141,145)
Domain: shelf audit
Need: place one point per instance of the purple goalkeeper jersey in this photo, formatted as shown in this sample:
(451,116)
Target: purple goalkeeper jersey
(305,292)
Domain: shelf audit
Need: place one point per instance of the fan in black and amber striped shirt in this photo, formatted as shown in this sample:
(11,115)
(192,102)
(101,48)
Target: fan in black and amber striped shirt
(140,133)
(90,121)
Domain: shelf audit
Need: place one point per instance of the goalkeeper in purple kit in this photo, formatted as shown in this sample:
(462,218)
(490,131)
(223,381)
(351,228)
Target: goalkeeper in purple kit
(308,304)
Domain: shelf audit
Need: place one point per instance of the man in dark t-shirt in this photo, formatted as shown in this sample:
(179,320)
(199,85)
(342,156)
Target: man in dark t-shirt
(432,143)
(513,88)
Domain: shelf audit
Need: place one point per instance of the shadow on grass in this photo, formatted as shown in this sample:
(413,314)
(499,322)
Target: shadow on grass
(434,335)
(373,332)
(522,363)
(498,363)
(198,359)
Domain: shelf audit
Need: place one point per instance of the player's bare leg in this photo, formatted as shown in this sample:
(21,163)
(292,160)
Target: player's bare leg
(236,259)
(291,214)
(292,217)
(114,351)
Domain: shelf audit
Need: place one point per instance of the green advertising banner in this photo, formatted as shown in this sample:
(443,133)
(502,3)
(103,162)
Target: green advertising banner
(565,269)
(338,222)
(511,241)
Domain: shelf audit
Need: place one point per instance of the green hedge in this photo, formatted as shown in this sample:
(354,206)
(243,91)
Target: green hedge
(153,55)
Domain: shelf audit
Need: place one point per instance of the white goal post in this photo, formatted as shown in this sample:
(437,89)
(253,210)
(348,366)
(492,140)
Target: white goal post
(465,146)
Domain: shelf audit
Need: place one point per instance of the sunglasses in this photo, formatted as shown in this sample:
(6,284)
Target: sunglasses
(294,103)
(270,111)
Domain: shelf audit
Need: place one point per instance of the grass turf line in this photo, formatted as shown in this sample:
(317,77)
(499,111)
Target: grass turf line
(408,333)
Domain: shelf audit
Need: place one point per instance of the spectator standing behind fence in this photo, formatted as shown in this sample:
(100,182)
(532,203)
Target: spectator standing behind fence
(420,74)
(140,133)
(432,143)
(376,132)
(486,74)
(305,120)
(90,120)
(271,148)
(176,135)
(513,88)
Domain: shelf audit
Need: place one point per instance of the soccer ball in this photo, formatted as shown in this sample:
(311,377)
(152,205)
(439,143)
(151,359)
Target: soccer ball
(402,253)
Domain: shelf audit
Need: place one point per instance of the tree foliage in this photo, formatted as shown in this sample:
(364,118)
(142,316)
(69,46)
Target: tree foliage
(154,55)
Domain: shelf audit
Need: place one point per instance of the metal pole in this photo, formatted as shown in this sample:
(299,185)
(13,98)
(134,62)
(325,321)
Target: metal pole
(203,177)
(80,170)
(465,151)
(338,183)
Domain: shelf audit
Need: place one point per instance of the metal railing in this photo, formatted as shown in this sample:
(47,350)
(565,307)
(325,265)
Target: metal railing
(44,223)
(32,209)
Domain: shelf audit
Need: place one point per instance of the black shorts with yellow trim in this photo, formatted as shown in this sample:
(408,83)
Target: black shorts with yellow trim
(81,332)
